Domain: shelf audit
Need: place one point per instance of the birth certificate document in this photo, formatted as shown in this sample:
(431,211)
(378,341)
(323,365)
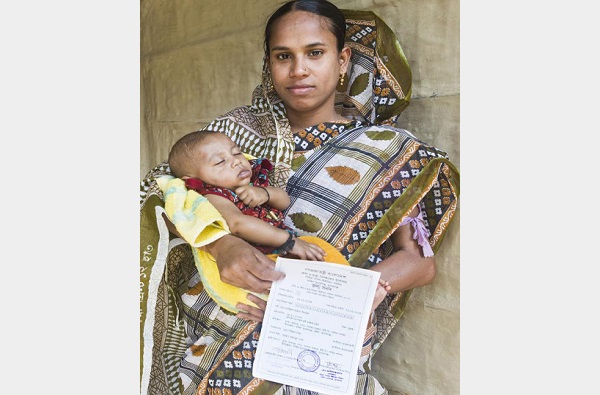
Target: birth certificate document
(314,325)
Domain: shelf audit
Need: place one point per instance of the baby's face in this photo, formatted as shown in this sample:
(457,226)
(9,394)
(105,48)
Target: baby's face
(220,162)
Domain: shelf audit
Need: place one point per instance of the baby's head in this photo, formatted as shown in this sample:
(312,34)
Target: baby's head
(211,157)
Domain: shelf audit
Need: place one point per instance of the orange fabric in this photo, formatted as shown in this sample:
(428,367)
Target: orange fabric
(331,254)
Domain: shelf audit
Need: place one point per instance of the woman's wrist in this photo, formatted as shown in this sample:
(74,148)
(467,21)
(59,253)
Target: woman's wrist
(221,244)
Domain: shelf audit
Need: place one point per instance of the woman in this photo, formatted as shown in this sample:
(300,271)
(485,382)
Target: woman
(322,117)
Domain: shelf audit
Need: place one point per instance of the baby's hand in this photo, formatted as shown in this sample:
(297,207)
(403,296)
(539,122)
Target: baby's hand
(310,251)
(251,195)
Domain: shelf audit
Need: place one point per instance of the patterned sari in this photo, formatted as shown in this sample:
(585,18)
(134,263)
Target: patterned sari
(351,184)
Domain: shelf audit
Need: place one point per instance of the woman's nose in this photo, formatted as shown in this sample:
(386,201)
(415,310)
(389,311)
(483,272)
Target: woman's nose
(299,69)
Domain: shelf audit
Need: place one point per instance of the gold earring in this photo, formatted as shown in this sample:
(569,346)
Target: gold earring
(342,78)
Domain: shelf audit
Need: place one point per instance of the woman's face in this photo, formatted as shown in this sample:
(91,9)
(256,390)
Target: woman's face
(305,63)
(219,161)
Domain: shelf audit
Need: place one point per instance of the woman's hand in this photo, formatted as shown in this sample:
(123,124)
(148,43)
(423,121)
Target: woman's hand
(252,313)
(242,265)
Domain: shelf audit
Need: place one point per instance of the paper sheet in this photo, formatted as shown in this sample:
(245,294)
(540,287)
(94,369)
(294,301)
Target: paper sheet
(314,325)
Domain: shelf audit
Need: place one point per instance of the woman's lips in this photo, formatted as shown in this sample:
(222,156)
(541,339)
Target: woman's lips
(300,89)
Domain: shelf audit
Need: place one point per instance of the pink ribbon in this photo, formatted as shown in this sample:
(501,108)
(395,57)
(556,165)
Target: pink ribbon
(421,233)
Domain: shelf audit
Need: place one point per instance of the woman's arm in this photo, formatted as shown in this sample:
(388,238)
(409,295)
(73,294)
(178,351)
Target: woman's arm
(240,264)
(171,226)
(406,268)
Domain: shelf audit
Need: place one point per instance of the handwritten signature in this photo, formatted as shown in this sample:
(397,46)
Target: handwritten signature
(332,365)
(283,351)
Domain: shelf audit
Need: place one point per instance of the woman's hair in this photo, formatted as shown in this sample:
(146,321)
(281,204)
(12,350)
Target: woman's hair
(323,8)
(180,155)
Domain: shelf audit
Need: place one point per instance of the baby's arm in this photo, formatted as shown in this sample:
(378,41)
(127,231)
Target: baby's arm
(255,196)
(249,228)
(257,231)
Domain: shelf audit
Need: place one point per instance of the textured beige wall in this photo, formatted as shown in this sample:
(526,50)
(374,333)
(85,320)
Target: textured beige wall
(190,49)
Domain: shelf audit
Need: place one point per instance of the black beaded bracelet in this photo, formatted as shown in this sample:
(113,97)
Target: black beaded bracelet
(287,246)
(268,196)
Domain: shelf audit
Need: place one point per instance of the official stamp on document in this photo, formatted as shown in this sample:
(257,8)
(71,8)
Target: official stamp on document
(308,360)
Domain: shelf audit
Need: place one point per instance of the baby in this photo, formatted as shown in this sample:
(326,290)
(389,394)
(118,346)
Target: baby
(214,166)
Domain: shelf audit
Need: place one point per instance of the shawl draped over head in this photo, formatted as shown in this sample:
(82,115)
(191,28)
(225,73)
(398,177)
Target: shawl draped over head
(354,190)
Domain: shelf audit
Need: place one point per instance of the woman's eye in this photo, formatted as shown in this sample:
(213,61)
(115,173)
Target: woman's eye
(315,53)
(282,56)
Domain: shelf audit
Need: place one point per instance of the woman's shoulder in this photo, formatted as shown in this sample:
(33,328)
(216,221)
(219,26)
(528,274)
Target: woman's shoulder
(392,132)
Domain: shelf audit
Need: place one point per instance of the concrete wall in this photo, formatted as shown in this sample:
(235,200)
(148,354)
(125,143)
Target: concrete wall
(190,49)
